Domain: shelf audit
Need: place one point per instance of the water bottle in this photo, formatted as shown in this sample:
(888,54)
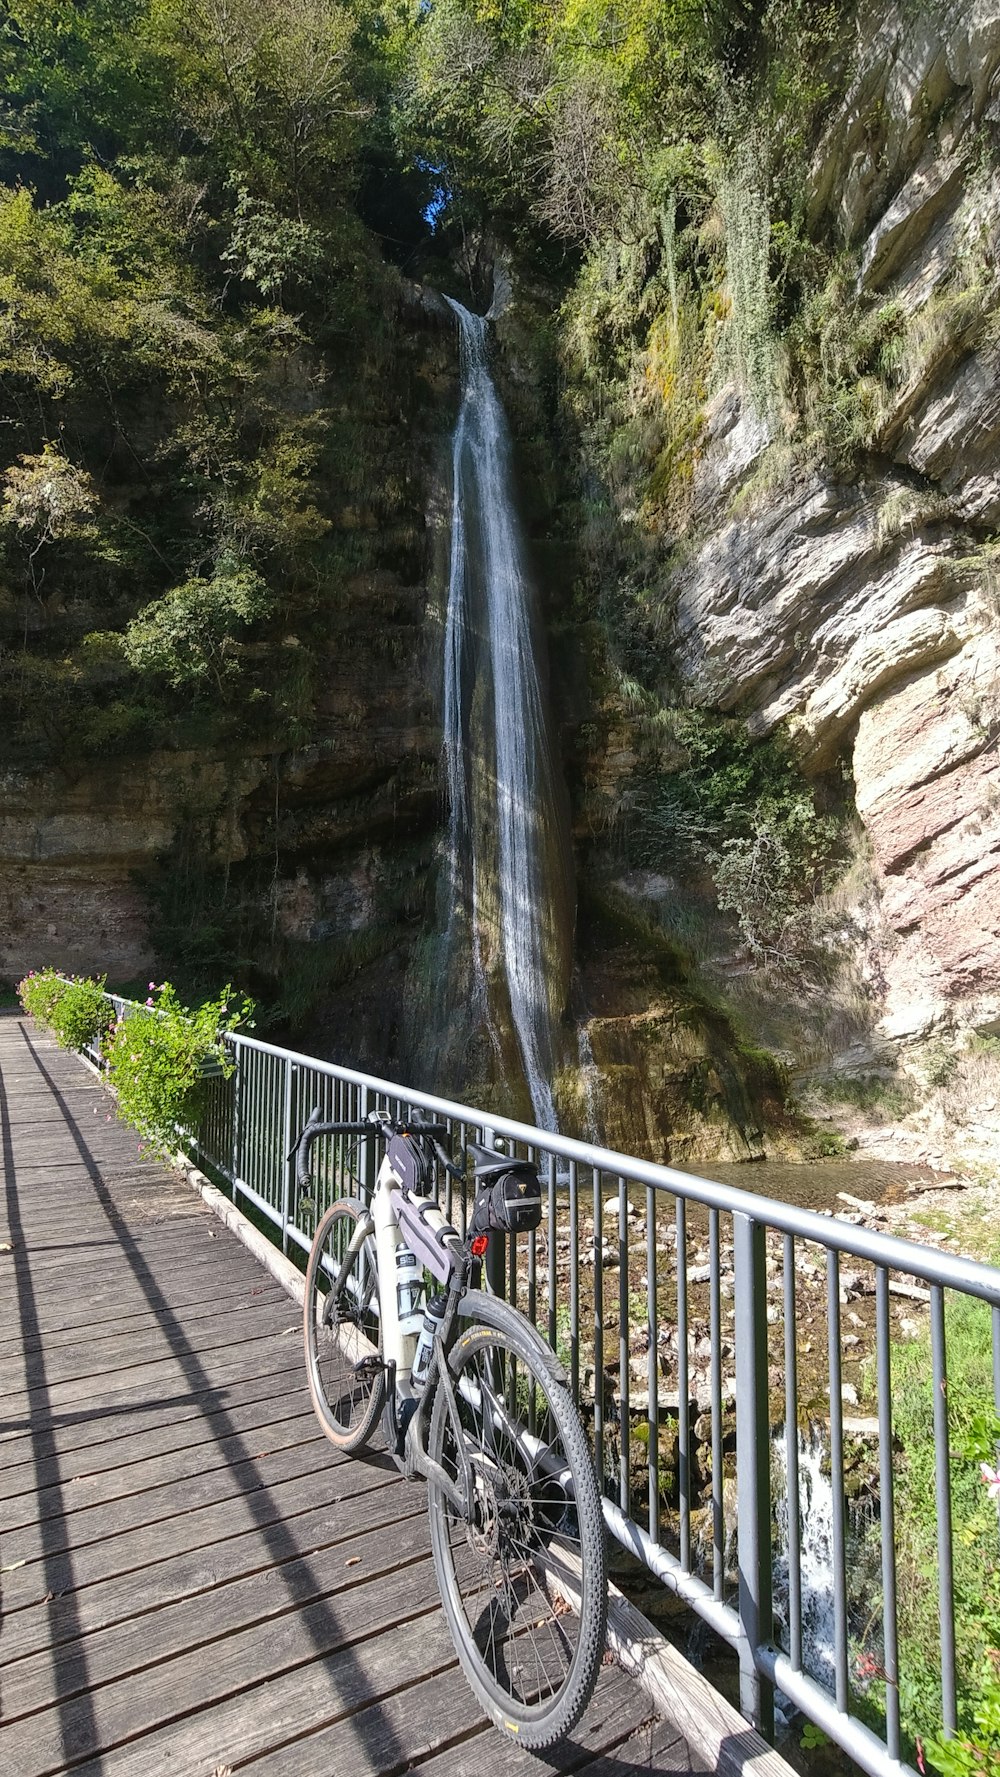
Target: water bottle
(409,1290)
(433,1316)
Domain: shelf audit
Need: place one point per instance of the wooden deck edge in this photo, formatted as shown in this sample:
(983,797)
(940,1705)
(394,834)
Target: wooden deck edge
(264,1251)
(715,1732)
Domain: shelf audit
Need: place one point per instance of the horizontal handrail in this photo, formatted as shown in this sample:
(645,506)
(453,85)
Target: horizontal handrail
(915,1259)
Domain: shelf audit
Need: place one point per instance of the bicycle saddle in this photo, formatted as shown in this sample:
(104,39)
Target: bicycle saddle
(487,1160)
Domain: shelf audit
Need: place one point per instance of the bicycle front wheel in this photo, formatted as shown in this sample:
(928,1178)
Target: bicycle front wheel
(523,1578)
(343,1336)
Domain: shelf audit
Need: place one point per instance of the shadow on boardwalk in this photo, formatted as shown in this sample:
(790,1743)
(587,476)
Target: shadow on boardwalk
(192,1579)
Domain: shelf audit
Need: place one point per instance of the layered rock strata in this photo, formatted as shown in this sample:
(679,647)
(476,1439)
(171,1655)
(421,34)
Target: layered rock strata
(866,616)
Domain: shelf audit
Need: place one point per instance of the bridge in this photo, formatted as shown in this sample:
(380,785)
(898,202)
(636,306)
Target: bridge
(192,1580)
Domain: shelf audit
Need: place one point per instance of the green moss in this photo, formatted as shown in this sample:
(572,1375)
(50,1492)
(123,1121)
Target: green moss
(892,1099)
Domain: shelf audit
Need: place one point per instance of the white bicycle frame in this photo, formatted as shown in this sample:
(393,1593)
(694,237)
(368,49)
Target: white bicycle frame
(401,1219)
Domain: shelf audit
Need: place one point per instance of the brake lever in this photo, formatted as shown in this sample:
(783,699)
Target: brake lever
(313,1117)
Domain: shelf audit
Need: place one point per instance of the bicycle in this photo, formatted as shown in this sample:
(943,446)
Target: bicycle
(473,1400)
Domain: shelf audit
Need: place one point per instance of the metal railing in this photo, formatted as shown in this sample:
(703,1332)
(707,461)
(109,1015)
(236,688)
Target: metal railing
(701,1327)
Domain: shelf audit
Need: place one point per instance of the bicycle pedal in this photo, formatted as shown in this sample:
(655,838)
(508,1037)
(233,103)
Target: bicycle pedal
(369,1366)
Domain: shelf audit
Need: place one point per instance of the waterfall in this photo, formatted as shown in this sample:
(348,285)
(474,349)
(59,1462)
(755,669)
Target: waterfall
(590,1074)
(816,1509)
(507,840)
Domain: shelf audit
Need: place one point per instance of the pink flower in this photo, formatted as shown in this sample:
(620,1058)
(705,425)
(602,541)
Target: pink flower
(991,1478)
(152,987)
(149,1002)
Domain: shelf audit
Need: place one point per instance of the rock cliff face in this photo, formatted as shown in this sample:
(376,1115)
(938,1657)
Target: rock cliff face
(72,851)
(866,615)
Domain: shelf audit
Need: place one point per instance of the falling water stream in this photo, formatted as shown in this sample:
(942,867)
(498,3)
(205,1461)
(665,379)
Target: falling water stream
(815,1539)
(508,846)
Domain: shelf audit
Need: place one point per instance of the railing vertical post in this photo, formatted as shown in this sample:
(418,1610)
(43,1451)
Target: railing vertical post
(753,1467)
(287,1162)
(237,1169)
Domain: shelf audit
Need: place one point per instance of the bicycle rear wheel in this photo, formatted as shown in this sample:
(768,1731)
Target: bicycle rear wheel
(534,1538)
(343,1336)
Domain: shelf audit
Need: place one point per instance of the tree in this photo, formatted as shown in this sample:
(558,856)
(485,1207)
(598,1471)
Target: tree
(189,636)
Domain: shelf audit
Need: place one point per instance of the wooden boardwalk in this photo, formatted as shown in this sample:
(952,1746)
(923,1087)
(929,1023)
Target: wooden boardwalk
(191,1581)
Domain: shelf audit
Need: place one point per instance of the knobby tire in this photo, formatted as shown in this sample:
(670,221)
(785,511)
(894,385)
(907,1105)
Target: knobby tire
(343,1340)
(535,1534)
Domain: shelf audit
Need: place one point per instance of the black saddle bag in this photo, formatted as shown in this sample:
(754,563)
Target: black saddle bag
(508,1202)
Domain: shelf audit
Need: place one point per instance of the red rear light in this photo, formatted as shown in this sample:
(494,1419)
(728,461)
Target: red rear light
(479,1245)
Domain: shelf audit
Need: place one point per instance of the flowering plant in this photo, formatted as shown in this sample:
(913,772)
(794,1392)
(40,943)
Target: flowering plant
(40,992)
(158,1054)
(76,1009)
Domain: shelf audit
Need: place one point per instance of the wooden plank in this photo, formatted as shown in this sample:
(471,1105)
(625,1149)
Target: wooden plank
(716,1732)
(45,1243)
(156,1568)
(446,1736)
(98,1433)
(71,1492)
(283,1400)
(336,1654)
(149,1243)
(257,1352)
(129,1648)
(120,1317)
(137,1335)
(241,1321)
(439,1713)
(655,1748)
(117,1289)
(207,1385)
(102,1523)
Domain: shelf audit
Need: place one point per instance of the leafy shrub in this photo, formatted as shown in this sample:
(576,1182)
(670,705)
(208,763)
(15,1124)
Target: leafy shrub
(40,992)
(189,634)
(75,1009)
(743,806)
(976,1754)
(974,1439)
(82,1013)
(156,1057)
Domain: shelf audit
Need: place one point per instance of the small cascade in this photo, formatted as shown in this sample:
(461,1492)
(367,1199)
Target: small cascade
(508,890)
(816,1514)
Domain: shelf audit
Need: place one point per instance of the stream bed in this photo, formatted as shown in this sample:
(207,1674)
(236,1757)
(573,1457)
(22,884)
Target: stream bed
(816,1184)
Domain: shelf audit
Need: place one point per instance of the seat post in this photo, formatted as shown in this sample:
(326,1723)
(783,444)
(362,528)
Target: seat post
(496,1251)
